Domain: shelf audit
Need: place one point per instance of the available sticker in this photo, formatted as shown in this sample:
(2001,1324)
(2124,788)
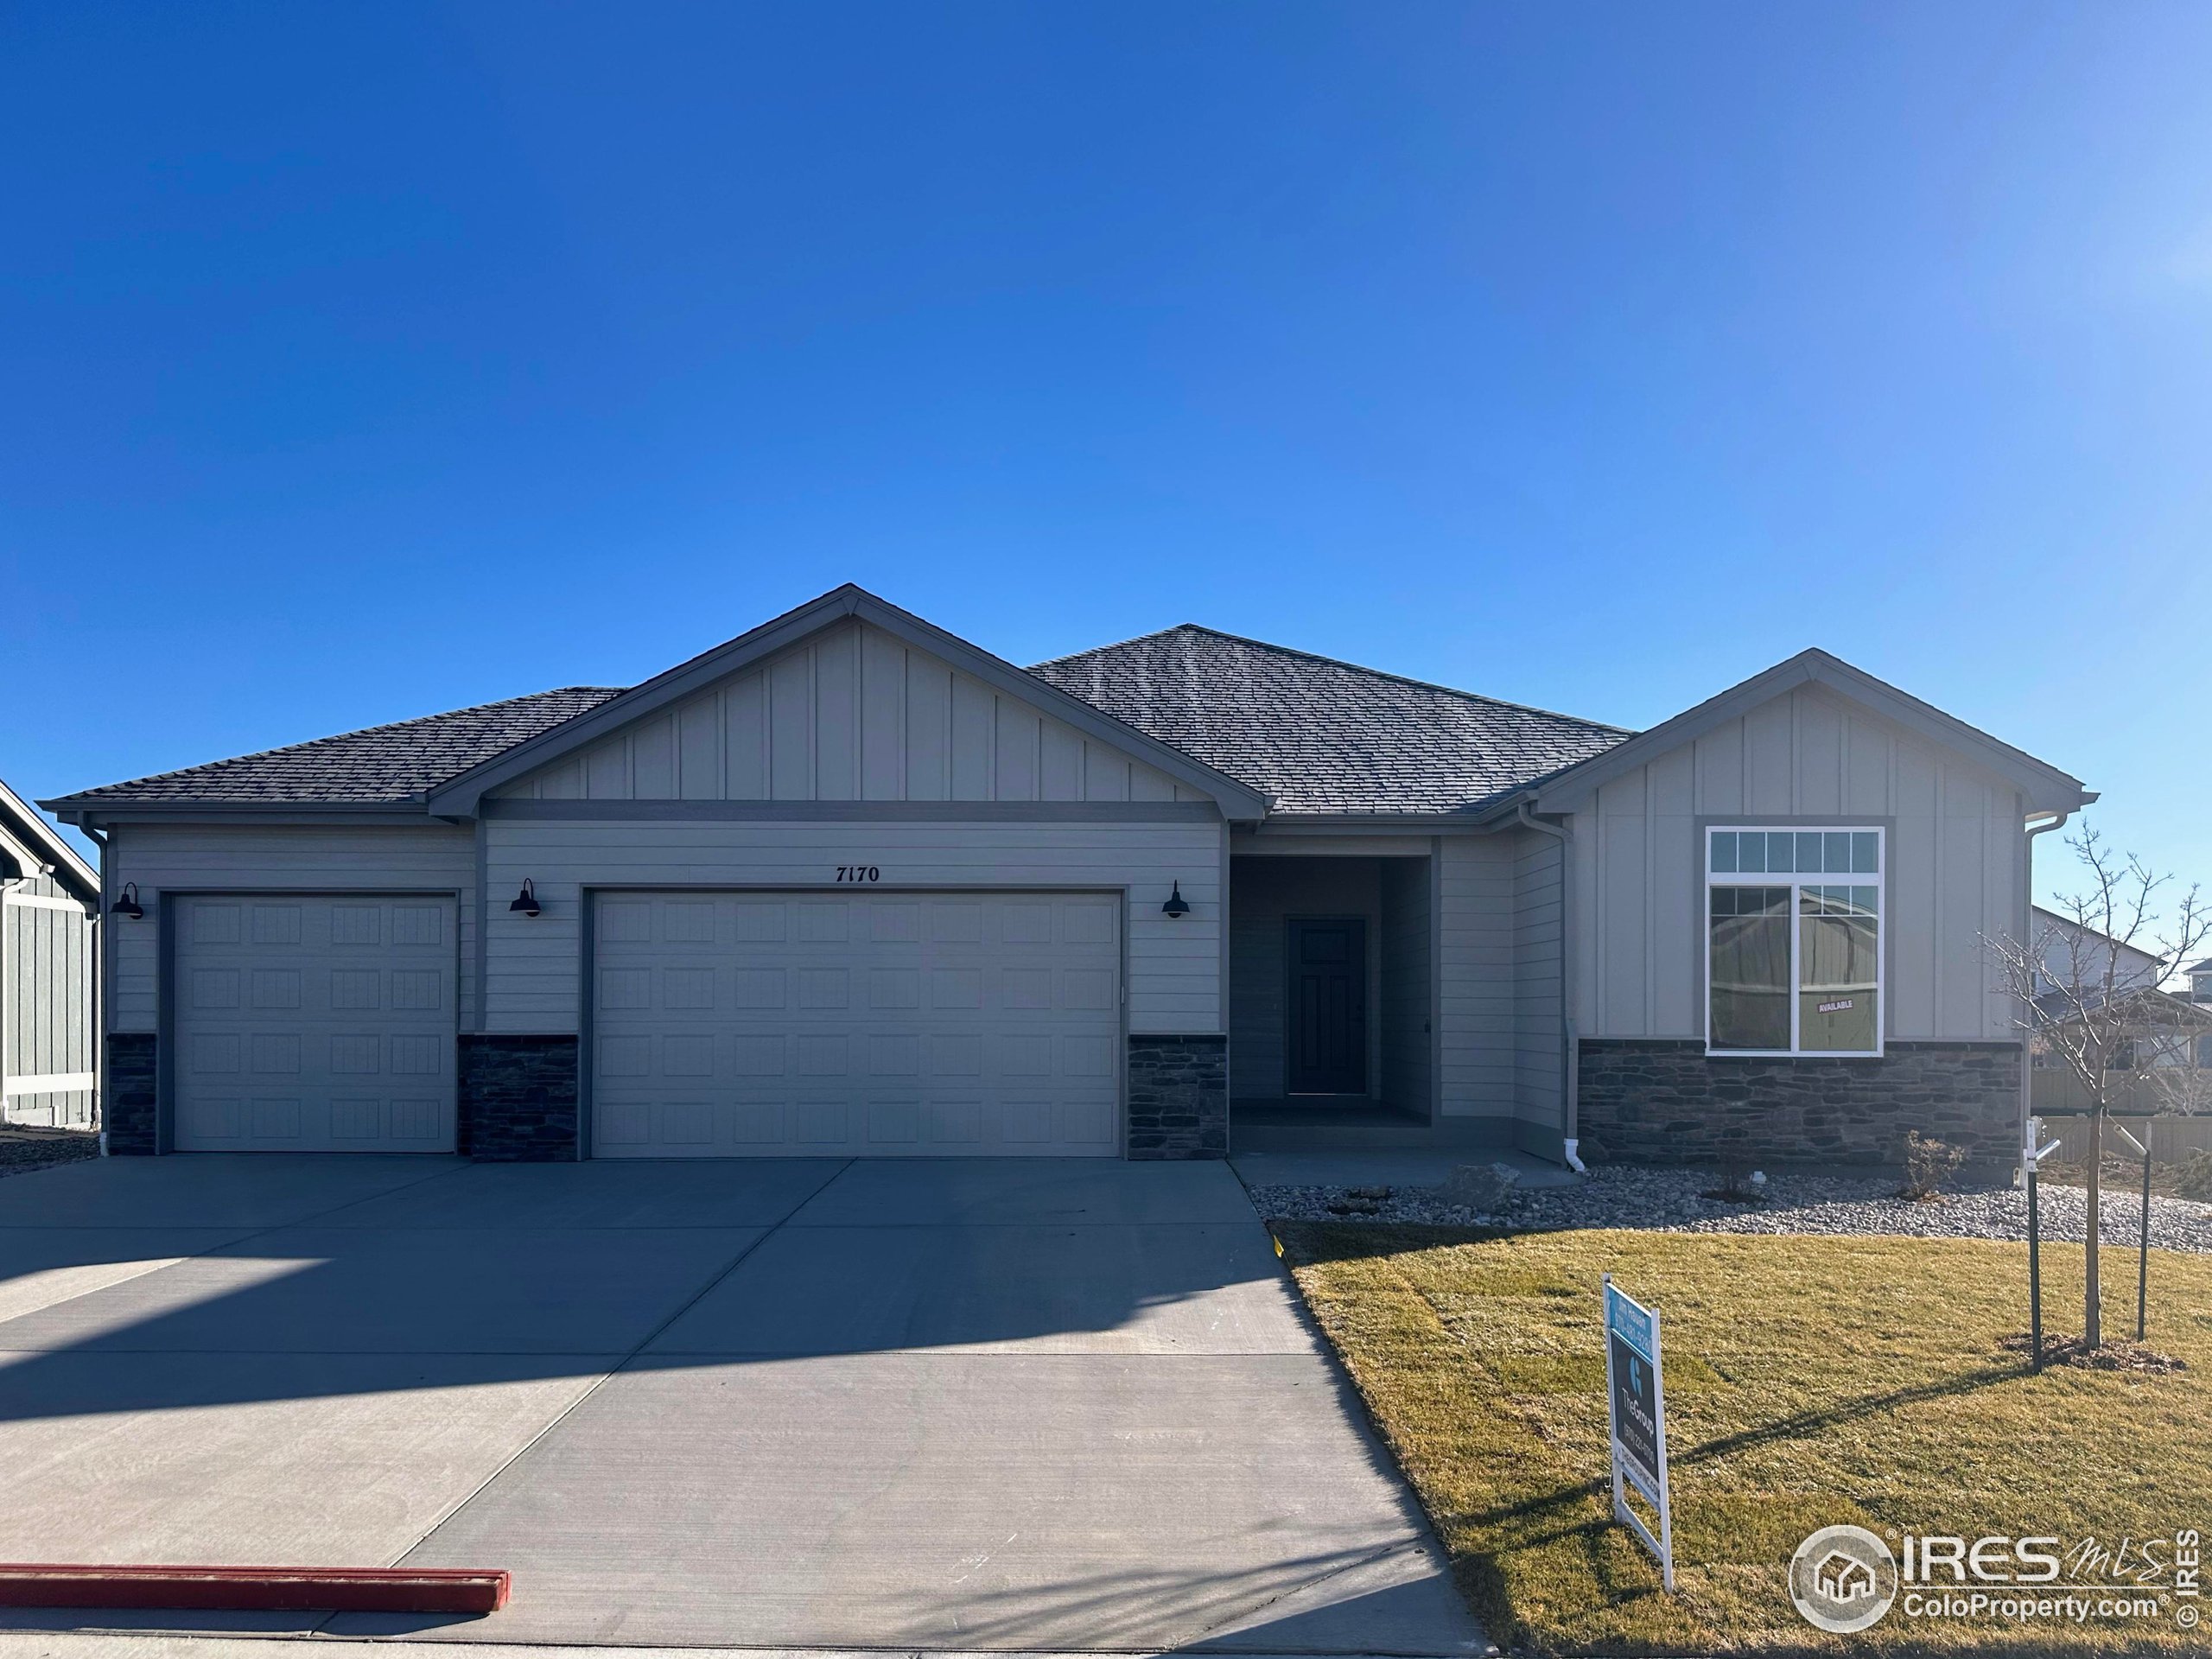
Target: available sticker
(1836,1008)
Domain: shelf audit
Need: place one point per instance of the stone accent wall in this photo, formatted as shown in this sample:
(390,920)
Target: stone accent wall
(130,1112)
(518,1098)
(1178,1097)
(1653,1101)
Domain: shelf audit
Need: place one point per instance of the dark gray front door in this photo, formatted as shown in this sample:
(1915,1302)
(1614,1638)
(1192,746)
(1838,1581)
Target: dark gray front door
(1328,1008)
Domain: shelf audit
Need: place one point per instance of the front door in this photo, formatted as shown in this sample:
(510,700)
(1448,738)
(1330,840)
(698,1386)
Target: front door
(1328,1008)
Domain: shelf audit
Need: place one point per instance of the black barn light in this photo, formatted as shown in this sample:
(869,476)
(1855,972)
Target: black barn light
(526,901)
(1176,905)
(129,905)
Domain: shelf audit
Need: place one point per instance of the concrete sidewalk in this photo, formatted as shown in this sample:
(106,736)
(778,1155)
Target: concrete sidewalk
(1003,1406)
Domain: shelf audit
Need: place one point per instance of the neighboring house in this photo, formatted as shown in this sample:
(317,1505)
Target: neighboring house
(2200,981)
(49,900)
(849,884)
(2167,1029)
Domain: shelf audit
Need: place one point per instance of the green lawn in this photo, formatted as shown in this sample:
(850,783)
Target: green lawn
(1810,1381)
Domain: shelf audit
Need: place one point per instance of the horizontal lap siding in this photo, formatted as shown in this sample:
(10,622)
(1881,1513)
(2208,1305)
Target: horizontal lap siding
(1954,872)
(1478,1003)
(1539,1039)
(303,858)
(1174,974)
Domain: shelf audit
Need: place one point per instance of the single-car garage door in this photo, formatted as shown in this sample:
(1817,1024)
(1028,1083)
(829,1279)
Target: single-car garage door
(314,1024)
(940,1024)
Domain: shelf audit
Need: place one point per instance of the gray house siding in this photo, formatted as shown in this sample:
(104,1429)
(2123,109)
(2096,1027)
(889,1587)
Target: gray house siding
(1477,1005)
(1954,875)
(1539,1034)
(47,1051)
(852,714)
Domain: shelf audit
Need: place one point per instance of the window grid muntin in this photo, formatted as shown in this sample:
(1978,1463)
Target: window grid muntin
(1805,845)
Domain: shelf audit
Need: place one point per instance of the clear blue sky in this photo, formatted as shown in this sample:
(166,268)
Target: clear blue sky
(358,361)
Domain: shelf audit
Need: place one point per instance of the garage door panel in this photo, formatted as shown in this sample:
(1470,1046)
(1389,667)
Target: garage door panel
(741,1025)
(315,1023)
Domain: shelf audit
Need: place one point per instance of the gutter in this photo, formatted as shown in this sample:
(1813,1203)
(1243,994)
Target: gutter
(1570,1104)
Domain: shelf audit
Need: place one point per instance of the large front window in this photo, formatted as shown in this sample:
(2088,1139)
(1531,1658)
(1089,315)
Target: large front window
(1793,941)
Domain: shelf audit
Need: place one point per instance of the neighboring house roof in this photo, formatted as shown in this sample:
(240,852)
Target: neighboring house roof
(2148,962)
(22,824)
(2155,1007)
(380,766)
(1320,735)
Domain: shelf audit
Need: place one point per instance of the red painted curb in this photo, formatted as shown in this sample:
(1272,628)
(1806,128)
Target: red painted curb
(254,1589)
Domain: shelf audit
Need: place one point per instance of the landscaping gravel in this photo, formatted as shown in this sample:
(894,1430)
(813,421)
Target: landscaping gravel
(1671,1201)
(23,1150)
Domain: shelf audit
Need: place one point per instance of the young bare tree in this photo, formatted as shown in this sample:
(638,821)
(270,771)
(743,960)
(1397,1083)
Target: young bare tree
(2088,992)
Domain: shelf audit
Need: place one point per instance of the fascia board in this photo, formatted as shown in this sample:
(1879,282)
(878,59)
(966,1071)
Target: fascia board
(2050,788)
(459,796)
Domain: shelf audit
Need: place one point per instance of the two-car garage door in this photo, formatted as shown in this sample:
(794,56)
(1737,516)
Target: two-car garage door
(751,1024)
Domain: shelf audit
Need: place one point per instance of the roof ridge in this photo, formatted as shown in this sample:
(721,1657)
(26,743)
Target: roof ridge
(358,731)
(1343,663)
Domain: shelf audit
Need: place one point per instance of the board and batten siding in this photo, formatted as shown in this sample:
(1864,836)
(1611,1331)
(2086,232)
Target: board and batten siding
(301,858)
(46,1062)
(852,714)
(1953,873)
(532,964)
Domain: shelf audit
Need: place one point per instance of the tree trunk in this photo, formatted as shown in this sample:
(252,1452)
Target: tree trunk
(2092,1325)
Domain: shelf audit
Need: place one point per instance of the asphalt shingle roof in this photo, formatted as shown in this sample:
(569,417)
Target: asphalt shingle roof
(1313,734)
(1320,735)
(381,765)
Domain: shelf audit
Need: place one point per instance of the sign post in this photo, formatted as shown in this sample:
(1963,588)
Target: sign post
(1636,1399)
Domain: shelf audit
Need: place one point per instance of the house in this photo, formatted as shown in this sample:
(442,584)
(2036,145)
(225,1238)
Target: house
(849,884)
(49,907)
(2083,968)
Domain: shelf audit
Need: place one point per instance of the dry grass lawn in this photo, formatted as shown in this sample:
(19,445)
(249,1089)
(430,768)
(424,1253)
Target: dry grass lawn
(1810,1381)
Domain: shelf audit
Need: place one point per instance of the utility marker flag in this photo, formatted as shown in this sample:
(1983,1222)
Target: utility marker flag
(1635,1401)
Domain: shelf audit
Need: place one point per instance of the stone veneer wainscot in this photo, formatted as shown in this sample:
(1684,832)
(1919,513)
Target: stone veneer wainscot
(518,1098)
(128,1112)
(1179,1096)
(1655,1101)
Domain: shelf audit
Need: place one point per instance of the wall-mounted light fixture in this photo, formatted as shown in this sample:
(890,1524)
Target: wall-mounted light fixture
(128,905)
(526,901)
(1176,905)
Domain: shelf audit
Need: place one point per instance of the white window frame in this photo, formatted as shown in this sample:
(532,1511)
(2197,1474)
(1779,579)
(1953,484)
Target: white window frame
(1797,881)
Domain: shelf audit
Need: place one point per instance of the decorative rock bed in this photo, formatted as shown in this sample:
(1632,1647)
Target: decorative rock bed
(1673,1200)
(24,1149)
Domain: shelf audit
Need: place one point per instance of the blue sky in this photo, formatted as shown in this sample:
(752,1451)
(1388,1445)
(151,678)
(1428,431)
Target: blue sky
(360,361)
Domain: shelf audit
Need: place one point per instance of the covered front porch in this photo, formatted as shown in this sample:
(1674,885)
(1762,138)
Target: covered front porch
(1332,1001)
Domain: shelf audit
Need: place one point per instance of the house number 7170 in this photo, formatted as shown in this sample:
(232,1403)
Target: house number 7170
(859,873)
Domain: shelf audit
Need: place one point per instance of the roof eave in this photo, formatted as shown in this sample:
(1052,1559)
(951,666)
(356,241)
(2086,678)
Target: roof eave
(70,868)
(459,796)
(2048,789)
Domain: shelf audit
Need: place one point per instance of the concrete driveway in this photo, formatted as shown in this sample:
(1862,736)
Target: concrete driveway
(951,1405)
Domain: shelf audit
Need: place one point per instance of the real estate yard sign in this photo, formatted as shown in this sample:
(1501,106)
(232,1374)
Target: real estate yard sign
(1636,1398)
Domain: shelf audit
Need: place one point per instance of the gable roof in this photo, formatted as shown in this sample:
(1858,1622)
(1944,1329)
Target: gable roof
(22,824)
(392,765)
(460,793)
(2047,788)
(1320,735)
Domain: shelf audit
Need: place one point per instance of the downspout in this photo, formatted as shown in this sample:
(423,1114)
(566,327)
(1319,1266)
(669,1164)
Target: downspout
(1570,1105)
(2053,820)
